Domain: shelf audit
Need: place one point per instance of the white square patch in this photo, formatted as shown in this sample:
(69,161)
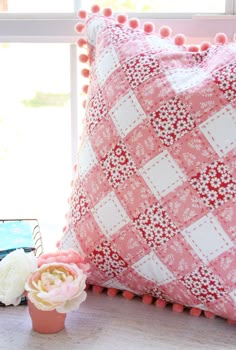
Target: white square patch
(127,114)
(162,174)
(184,79)
(110,215)
(207,238)
(107,63)
(233,296)
(220,130)
(151,268)
(87,159)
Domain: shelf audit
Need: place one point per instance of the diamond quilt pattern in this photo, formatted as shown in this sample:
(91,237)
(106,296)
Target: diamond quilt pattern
(153,205)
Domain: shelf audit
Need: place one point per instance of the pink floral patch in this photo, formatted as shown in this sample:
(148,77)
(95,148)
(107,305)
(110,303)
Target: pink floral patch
(96,111)
(172,121)
(78,203)
(118,165)
(226,80)
(108,260)
(214,184)
(155,226)
(119,34)
(203,284)
(141,68)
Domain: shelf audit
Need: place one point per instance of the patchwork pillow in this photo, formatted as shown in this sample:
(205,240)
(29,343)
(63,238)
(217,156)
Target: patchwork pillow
(153,204)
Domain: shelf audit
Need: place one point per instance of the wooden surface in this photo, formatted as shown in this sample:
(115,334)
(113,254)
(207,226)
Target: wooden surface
(104,323)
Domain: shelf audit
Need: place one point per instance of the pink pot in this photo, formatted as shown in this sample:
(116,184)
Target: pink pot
(46,321)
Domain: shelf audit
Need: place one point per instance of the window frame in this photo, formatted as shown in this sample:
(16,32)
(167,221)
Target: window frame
(59,28)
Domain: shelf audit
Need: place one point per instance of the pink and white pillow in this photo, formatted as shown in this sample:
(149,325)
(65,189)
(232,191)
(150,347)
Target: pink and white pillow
(153,204)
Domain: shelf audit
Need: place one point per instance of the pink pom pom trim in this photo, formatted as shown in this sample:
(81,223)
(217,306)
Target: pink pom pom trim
(85,89)
(147,299)
(195,312)
(82,14)
(205,45)
(165,31)
(95,8)
(134,23)
(83,58)
(160,303)
(193,48)
(107,12)
(209,315)
(128,295)
(81,42)
(179,39)
(122,18)
(79,27)
(85,73)
(112,292)
(221,38)
(148,27)
(97,289)
(178,308)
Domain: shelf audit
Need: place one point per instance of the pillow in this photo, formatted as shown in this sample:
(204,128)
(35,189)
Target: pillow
(153,200)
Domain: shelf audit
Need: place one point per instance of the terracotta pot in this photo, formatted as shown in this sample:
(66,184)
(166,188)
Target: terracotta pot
(46,321)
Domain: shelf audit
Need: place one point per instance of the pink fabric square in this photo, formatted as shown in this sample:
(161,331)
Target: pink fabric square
(226,215)
(184,205)
(178,256)
(193,152)
(143,143)
(134,195)
(181,293)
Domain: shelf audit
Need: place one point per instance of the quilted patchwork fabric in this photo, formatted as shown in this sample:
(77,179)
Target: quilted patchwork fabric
(153,205)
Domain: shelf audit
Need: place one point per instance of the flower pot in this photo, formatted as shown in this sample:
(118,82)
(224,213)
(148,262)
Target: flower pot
(46,321)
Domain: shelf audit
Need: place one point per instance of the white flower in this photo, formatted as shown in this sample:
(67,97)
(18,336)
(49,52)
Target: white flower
(15,268)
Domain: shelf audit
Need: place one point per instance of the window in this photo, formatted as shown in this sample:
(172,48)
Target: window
(40,94)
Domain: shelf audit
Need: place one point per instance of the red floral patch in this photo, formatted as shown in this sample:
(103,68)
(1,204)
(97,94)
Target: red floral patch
(108,260)
(118,165)
(78,203)
(155,226)
(203,284)
(141,68)
(226,80)
(96,112)
(172,121)
(214,184)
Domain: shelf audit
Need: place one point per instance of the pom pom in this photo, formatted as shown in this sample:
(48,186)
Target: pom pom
(97,289)
(221,38)
(84,104)
(82,14)
(95,8)
(107,12)
(205,45)
(160,303)
(75,167)
(85,89)
(148,27)
(79,27)
(193,48)
(147,299)
(112,292)
(81,42)
(134,23)
(195,312)
(165,31)
(209,315)
(85,72)
(178,308)
(179,39)
(58,244)
(122,18)
(128,295)
(83,58)
(232,322)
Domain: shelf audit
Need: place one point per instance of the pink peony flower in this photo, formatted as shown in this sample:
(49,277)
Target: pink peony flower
(69,256)
(57,286)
